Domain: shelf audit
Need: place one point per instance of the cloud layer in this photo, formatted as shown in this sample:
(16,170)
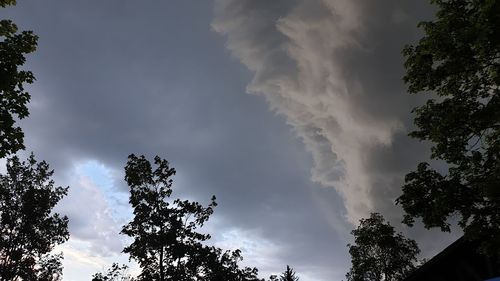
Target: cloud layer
(333,69)
(153,78)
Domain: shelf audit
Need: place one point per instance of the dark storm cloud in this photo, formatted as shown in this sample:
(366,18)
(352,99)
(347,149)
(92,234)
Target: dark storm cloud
(335,74)
(115,79)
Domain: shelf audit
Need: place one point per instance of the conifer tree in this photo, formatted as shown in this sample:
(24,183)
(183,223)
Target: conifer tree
(288,275)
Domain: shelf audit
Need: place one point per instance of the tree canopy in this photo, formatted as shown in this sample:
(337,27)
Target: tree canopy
(166,241)
(224,265)
(14,46)
(379,253)
(29,227)
(457,63)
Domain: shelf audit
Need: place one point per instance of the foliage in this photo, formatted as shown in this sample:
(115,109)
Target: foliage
(50,268)
(165,239)
(288,275)
(458,60)
(219,265)
(115,273)
(4,3)
(167,244)
(13,98)
(29,229)
(379,253)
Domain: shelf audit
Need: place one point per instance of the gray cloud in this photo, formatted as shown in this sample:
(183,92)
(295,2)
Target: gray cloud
(333,69)
(91,216)
(116,78)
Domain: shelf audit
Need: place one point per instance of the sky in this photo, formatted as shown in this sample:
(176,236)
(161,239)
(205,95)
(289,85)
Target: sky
(292,112)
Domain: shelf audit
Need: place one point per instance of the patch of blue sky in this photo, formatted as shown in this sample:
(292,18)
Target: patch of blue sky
(97,172)
(106,179)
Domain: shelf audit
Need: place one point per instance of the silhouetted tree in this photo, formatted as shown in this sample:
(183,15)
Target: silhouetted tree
(115,273)
(166,242)
(379,253)
(458,62)
(14,46)
(288,275)
(29,229)
(223,265)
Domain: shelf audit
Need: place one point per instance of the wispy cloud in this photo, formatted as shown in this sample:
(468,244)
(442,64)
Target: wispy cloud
(305,56)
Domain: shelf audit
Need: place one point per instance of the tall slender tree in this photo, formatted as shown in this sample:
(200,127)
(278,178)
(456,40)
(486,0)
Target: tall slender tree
(166,243)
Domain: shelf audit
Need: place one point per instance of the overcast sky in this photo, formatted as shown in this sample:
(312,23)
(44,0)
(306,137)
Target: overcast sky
(292,112)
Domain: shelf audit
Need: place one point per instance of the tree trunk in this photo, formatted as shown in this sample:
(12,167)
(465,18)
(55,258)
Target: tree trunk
(162,273)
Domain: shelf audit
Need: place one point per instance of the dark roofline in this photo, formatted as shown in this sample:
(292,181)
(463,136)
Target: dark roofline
(442,255)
